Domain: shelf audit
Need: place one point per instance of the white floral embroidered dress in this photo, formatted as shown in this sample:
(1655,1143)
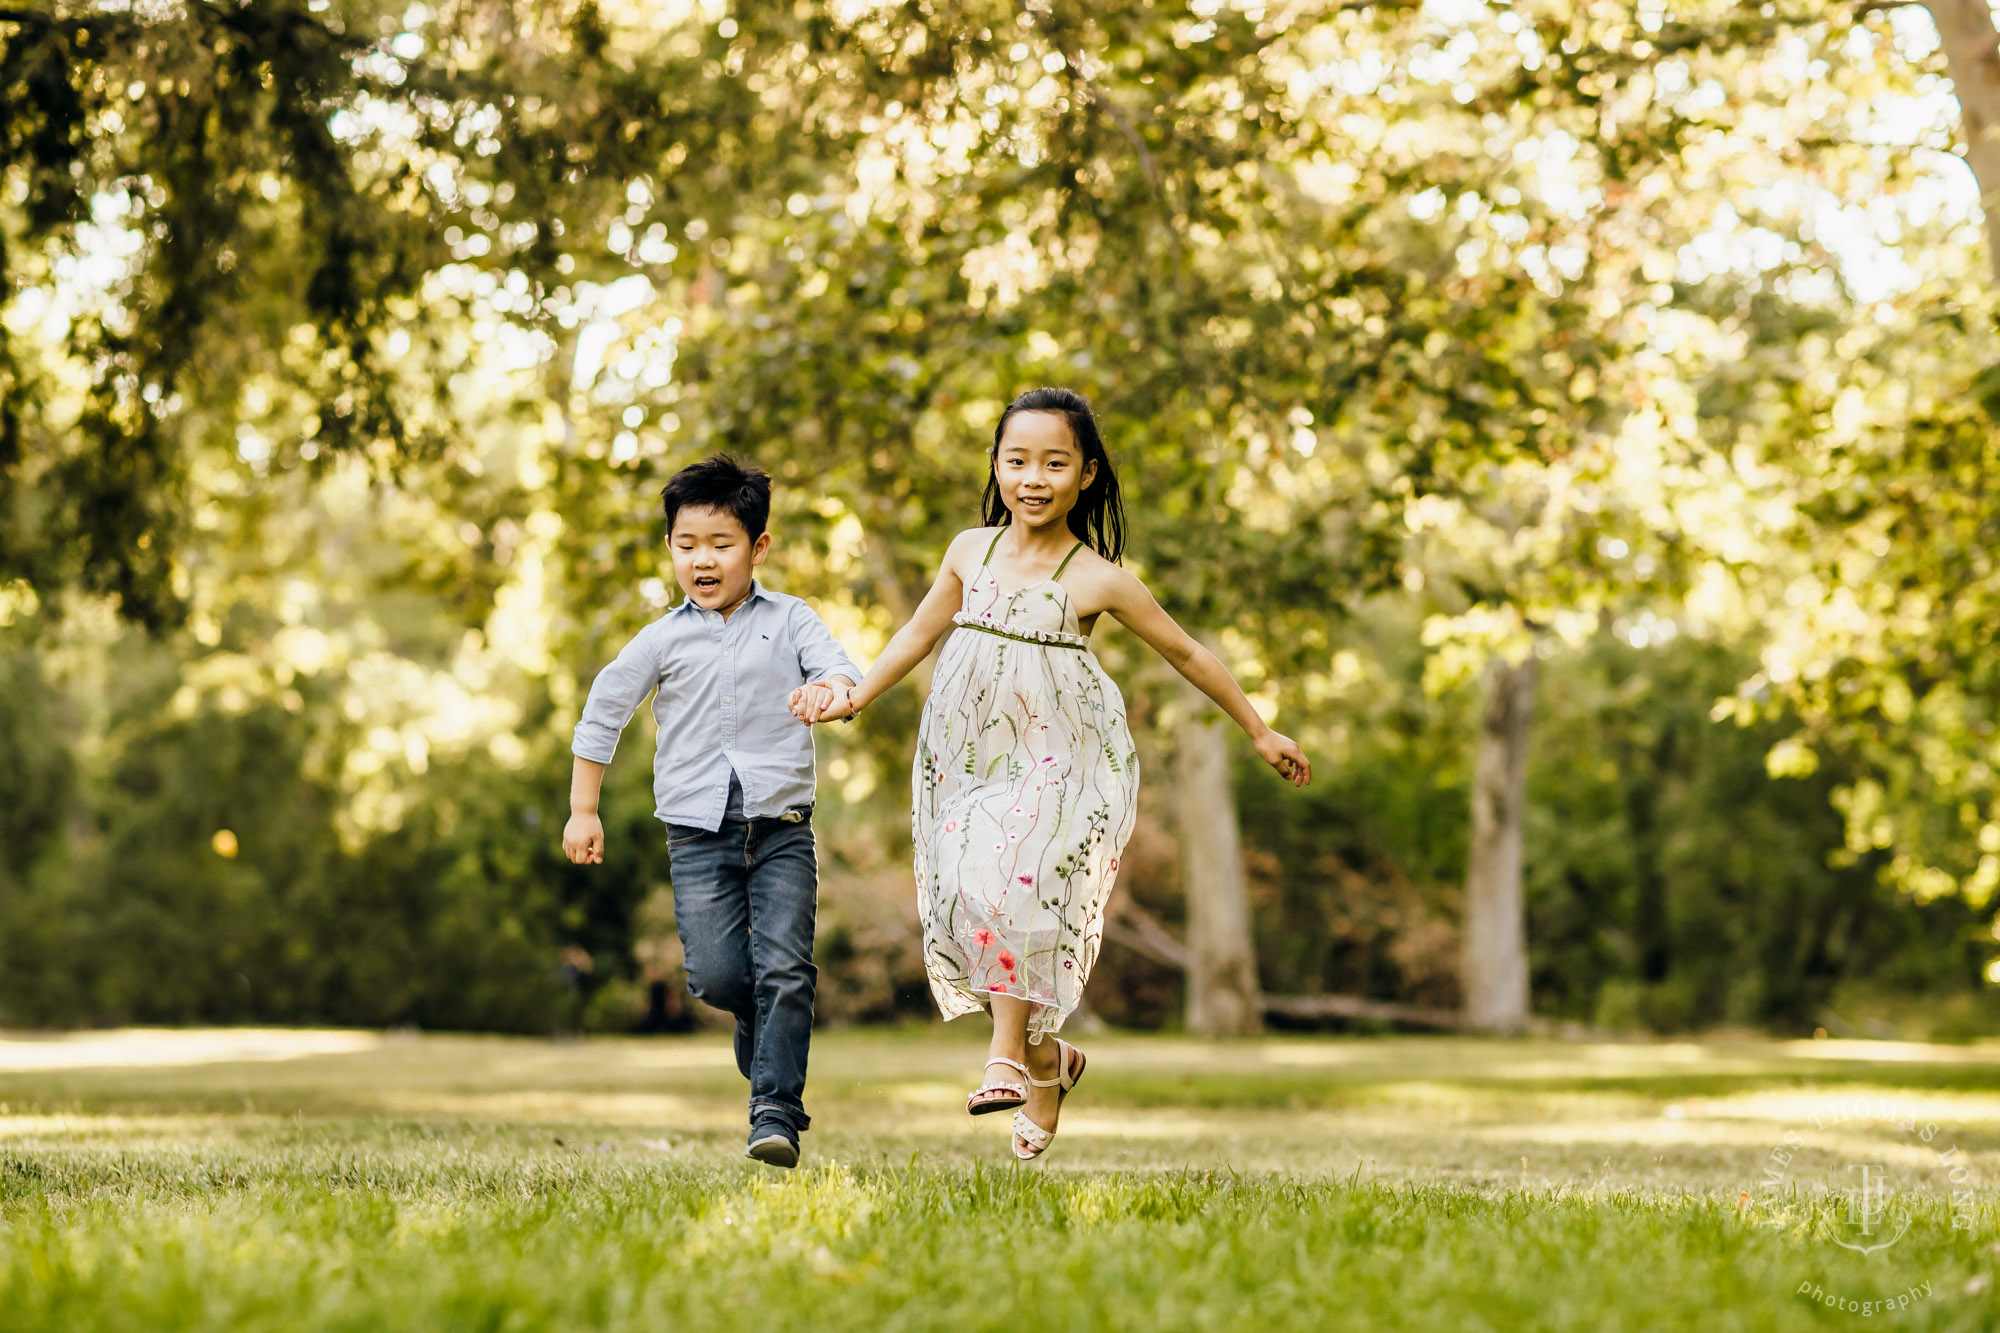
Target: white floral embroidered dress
(1023,795)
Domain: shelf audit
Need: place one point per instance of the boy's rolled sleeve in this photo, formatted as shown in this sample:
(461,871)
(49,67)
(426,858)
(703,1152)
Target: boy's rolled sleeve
(820,654)
(618,690)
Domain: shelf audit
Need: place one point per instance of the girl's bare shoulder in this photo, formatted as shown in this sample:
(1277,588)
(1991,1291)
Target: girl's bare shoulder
(966,549)
(974,539)
(1090,570)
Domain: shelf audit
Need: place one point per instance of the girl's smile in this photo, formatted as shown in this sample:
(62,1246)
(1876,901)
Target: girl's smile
(1040,468)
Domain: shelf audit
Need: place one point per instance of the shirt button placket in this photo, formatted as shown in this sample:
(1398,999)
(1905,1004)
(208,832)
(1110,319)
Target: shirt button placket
(729,697)
(719,632)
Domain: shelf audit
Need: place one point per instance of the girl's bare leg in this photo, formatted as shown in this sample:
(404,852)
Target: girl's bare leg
(1010,1038)
(1010,1031)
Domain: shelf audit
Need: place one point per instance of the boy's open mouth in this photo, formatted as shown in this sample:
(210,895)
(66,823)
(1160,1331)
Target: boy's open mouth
(707,582)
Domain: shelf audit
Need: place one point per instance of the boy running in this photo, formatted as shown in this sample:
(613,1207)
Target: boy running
(732,779)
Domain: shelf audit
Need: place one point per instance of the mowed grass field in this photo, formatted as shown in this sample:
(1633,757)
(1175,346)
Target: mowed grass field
(236,1179)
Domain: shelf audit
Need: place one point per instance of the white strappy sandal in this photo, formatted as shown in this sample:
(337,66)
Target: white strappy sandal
(998,1094)
(1026,1130)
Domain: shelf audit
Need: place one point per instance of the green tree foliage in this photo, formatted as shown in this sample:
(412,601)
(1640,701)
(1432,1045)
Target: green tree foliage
(1886,642)
(37,769)
(212,134)
(1674,884)
(1470,310)
(213,887)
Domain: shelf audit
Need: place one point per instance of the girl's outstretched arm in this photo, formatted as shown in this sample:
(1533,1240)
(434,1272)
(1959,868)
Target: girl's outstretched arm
(1132,602)
(907,647)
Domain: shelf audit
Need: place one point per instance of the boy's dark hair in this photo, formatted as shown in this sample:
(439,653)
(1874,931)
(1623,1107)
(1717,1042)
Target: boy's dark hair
(742,490)
(1099,516)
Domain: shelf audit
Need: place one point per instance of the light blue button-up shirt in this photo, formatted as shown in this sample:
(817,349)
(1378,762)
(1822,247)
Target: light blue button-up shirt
(721,704)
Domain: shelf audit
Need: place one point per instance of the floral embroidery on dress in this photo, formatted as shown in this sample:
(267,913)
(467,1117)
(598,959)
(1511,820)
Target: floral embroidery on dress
(1024,749)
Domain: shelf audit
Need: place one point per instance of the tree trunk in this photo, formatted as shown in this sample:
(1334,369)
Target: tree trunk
(1496,936)
(1972,54)
(1222,998)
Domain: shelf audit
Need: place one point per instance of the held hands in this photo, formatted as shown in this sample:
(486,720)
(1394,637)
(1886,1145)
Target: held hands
(583,839)
(822,702)
(1283,753)
(806,701)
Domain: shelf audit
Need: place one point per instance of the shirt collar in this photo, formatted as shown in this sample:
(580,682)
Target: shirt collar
(756,591)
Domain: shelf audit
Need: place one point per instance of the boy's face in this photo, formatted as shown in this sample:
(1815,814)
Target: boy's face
(714,557)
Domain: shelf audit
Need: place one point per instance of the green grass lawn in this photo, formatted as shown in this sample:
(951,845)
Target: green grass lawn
(228,1179)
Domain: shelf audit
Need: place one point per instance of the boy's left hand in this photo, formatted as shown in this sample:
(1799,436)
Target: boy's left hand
(583,839)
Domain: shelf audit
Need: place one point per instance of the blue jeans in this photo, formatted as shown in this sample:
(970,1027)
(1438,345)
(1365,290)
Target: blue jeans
(745,897)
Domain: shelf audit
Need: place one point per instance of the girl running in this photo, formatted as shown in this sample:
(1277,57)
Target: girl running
(1025,784)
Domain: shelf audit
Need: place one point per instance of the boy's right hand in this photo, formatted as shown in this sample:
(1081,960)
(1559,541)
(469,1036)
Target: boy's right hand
(583,839)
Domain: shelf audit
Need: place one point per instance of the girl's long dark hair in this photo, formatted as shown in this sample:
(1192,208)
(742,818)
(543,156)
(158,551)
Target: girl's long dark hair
(1099,516)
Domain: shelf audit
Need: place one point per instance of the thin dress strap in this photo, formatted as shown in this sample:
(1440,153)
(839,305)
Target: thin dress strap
(1057,576)
(992,546)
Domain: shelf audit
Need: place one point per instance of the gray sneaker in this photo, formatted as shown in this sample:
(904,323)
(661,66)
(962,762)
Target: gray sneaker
(773,1145)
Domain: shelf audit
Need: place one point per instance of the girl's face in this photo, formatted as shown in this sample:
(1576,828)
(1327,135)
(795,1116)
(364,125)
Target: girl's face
(1040,470)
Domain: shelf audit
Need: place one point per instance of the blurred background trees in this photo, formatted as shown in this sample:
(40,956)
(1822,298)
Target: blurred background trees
(1573,421)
